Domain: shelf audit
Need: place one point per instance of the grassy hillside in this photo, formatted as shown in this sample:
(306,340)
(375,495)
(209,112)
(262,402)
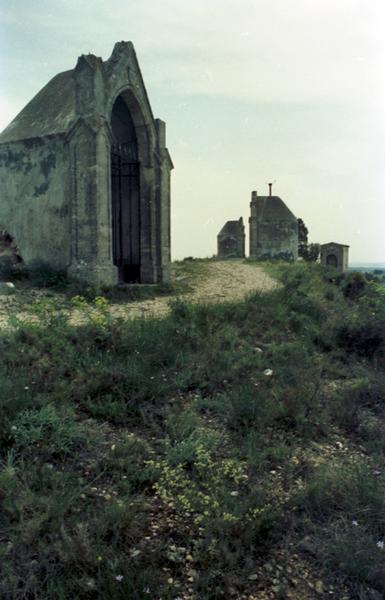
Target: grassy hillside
(233,450)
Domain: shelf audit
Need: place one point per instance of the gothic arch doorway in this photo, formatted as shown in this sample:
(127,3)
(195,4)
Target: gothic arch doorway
(331,260)
(125,194)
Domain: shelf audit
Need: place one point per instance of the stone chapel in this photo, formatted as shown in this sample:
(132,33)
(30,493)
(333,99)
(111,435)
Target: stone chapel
(231,240)
(85,176)
(273,229)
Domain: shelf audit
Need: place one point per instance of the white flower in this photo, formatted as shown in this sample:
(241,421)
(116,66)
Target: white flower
(234,493)
(118,577)
(380,544)
(354,523)
(268,372)
(14,428)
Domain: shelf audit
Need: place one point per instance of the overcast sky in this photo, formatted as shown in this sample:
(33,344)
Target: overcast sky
(251,91)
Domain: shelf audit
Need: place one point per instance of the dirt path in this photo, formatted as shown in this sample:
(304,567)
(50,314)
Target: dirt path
(206,281)
(232,280)
(219,281)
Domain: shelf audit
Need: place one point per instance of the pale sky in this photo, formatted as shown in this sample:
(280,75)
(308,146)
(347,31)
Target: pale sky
(251,91)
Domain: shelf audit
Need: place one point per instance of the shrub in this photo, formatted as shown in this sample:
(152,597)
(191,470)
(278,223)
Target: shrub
(250,407)
(347,488)
(363,338)
(352,285)
(58,434)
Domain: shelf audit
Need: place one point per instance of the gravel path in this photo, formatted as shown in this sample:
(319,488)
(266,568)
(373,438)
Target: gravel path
(221,281)
(216,281)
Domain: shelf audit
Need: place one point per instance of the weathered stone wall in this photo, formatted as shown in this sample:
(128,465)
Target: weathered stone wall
(231,240)
(335,255)
(55,172)
(34,207)
(275,239)
(163,203)
(273,229)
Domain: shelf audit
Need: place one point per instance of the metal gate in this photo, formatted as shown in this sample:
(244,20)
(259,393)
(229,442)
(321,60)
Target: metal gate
(125,212)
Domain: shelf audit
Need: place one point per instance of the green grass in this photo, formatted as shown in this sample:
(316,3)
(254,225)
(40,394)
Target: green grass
(171,457)
(41,292)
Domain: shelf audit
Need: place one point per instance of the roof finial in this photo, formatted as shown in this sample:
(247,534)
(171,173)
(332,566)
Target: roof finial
(271,185)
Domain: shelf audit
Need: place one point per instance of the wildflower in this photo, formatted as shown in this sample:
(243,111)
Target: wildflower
(354,523)
(118,577)
(26,387)
(268,372)
(380,544)
(90,583)
(234,493)
(14,428)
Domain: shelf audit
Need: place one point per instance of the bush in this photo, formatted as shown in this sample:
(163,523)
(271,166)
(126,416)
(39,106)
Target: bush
(352,285)
(363,338)
(347,488)
(45,428)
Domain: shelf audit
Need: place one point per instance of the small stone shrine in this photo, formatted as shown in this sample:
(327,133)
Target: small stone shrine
(335,255)
(231,240)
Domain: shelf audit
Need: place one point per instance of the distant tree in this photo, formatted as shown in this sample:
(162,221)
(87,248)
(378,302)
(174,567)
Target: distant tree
(308,252)
(313,252)
(302,239)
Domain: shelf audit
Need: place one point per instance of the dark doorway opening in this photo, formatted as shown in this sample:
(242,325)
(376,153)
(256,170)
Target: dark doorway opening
(126,221)
(331,260)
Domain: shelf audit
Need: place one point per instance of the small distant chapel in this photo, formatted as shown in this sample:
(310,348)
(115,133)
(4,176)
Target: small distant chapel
(85,176)
(273,229)
(231,240)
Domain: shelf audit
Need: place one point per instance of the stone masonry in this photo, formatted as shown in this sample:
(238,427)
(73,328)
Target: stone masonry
(231,240)
(273,229)
(335,255)
(85,175)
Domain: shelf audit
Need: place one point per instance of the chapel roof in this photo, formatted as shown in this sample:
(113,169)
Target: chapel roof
(50,112)
(272,208)
(334,244)
(232,227)
(53,110)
